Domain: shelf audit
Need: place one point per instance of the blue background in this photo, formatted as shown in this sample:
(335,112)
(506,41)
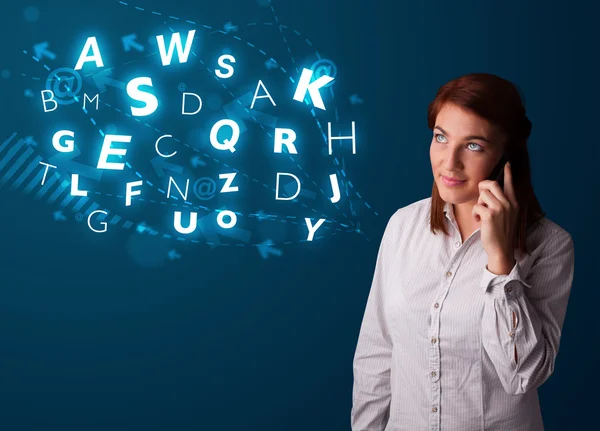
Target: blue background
(224,340)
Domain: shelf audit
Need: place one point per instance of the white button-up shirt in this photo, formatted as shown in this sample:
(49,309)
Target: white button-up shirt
(436,349)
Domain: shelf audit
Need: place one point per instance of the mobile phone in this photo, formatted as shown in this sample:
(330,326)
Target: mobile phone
(498,172)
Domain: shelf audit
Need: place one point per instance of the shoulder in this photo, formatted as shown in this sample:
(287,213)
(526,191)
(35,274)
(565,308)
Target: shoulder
(409,217)
(546,229)
(418,210)
(548,237)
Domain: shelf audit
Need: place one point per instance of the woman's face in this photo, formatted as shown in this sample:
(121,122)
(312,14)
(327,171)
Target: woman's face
(464,147)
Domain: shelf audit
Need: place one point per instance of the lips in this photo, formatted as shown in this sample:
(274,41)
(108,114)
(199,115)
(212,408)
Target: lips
(452,181)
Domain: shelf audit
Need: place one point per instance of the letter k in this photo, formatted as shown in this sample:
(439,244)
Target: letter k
(305,85)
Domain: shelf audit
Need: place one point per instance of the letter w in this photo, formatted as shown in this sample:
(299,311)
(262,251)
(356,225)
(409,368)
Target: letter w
(175,41)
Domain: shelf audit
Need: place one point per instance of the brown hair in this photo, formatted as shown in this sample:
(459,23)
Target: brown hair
(498,101)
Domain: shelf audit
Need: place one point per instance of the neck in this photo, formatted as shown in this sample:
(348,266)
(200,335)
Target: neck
(463,213)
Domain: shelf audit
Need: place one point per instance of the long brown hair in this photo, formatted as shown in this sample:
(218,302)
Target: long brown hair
(498,101)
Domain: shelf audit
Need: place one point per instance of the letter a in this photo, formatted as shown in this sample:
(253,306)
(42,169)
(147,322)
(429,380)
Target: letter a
(95,57)
(266,96)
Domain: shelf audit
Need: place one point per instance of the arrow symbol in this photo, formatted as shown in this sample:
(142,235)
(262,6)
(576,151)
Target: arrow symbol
(41,50)
(197,161)
(103,79)
(265,249)
(59,216)
(65,163)
(30,141)
(208,227)
(271,64)
(238,111)
(260,215)
(355,100)
(228,27)
(161,166)
(174,255)
(130,42)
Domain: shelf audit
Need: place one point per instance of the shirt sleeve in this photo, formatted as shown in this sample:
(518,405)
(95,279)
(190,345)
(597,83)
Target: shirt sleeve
(523,316)
(371,392)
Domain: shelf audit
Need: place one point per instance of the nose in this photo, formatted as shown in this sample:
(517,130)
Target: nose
(452,160)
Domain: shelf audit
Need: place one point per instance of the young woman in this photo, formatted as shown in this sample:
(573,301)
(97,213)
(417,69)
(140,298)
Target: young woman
(470,290)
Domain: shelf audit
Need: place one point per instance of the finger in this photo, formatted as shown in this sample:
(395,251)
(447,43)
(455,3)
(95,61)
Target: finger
(486,197)
(509,189)
(482,185)
(481,212)
(499,195)
(496,190)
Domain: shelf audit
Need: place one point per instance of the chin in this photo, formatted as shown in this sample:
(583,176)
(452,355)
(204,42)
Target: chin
(453,195)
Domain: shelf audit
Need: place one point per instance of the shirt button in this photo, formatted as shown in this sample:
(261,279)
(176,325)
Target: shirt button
(433,374)
(433,340)
(511,334)
(434,409)
(457,244)
(436,305)
(449,274)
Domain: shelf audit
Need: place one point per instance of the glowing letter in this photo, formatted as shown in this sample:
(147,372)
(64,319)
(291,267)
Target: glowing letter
(84,58)
(228,144)
(191,228)
(133,90)
(227,187)
(46,171)
(75,186)
(102,223)
(44,100)
(353,137)
(187,185)
(336,188)
(69,144)
(86,98)
(305,85)
(224,65)
(175,42)
(285,137)
(312,229)
(183,104)
(157,150)
(267,96)
(277,187)
(107,150)
(129,193)
(232,219)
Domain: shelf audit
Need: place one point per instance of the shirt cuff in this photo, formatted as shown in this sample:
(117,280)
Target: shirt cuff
(504,285)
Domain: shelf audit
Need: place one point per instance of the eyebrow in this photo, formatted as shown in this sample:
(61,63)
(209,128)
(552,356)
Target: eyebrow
(468,137)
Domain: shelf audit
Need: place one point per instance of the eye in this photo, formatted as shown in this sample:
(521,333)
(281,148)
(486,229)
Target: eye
(437,135)
(473,143)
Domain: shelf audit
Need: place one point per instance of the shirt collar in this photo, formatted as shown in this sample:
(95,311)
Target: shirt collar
(449,210)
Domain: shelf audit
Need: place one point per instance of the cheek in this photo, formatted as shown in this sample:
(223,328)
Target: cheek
(433,155)
(480,171)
